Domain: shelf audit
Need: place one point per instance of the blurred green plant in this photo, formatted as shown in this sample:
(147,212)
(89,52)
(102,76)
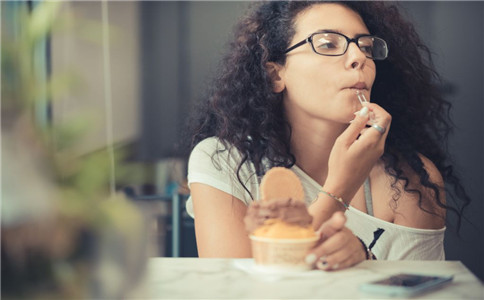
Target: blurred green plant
(63,234)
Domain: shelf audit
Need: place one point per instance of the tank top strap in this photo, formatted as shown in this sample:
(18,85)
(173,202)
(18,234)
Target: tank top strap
(368,199)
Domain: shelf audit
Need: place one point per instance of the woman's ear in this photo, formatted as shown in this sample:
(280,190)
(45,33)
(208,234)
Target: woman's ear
(275,71)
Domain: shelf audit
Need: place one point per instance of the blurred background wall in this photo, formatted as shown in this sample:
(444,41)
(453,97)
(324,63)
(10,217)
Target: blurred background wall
(78,48)
(169,51)
(182,43)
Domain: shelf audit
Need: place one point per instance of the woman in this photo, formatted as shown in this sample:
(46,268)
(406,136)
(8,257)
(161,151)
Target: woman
(287,96)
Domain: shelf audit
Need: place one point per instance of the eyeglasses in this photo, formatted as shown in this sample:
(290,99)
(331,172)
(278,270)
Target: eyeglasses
(336,44)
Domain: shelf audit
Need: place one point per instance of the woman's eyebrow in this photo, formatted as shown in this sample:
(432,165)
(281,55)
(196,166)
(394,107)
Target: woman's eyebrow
(328,31)
(338,31)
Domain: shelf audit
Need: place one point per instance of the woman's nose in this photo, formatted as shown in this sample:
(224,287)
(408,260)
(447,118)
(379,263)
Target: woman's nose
(356,57)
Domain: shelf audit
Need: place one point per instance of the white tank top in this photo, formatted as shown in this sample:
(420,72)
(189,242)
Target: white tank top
(210,163)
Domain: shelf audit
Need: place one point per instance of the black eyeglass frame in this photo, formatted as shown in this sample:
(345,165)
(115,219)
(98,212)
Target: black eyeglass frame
(309,40)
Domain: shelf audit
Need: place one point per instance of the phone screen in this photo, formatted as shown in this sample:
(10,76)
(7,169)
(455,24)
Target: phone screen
(406,280)
(405,284)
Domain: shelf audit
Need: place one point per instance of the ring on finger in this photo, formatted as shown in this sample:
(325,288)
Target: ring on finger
(379,128)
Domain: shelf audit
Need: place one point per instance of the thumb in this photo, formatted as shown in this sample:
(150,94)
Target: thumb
(332,226)
(359,123)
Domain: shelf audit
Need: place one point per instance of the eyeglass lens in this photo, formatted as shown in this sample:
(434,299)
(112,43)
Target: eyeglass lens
(336,44)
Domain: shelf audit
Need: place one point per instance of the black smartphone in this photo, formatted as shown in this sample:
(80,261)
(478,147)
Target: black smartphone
(405,285)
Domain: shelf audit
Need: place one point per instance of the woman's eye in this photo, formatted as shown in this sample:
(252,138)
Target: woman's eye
(327,45)
(367,49)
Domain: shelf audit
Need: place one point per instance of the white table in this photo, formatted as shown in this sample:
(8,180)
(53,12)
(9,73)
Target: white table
(195,278)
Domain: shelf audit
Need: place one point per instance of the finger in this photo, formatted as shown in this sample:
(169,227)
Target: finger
(350,254)
(322,249)
(356,125)
(336,259)
(382,119)
(371,117)
(347,256)
(372,136)
(363,130)
(333,243)
(350,261)
(333,225)
(378,115)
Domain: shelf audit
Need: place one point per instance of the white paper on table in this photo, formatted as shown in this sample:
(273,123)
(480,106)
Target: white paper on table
(273,274)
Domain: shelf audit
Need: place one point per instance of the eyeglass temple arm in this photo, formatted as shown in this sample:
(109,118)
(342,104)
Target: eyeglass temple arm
(297,45)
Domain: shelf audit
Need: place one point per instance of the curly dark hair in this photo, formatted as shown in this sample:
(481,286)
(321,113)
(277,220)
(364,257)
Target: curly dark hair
(243,111)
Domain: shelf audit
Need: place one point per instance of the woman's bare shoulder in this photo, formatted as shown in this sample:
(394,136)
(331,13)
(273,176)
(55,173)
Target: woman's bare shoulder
(414,209)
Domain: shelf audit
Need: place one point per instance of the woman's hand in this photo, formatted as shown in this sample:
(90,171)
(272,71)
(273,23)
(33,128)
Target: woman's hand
(356,151)
(338,247)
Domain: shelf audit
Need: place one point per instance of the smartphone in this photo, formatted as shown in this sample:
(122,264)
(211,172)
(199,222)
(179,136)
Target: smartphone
(405,285)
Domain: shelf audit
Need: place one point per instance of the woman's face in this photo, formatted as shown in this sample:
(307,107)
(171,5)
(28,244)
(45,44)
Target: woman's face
(323,87)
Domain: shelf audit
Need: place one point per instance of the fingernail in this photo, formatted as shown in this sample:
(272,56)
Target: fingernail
(310,258)
(322,264)
(364,112)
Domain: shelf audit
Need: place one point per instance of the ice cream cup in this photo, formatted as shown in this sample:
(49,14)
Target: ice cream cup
(282,254)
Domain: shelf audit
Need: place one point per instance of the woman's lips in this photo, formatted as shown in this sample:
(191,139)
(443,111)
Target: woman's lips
(359,86)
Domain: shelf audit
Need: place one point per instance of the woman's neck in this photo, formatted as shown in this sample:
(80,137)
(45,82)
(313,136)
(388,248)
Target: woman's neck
(311,144)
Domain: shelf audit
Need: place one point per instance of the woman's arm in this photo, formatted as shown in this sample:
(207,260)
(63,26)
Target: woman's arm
(352,157)
(219,225)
